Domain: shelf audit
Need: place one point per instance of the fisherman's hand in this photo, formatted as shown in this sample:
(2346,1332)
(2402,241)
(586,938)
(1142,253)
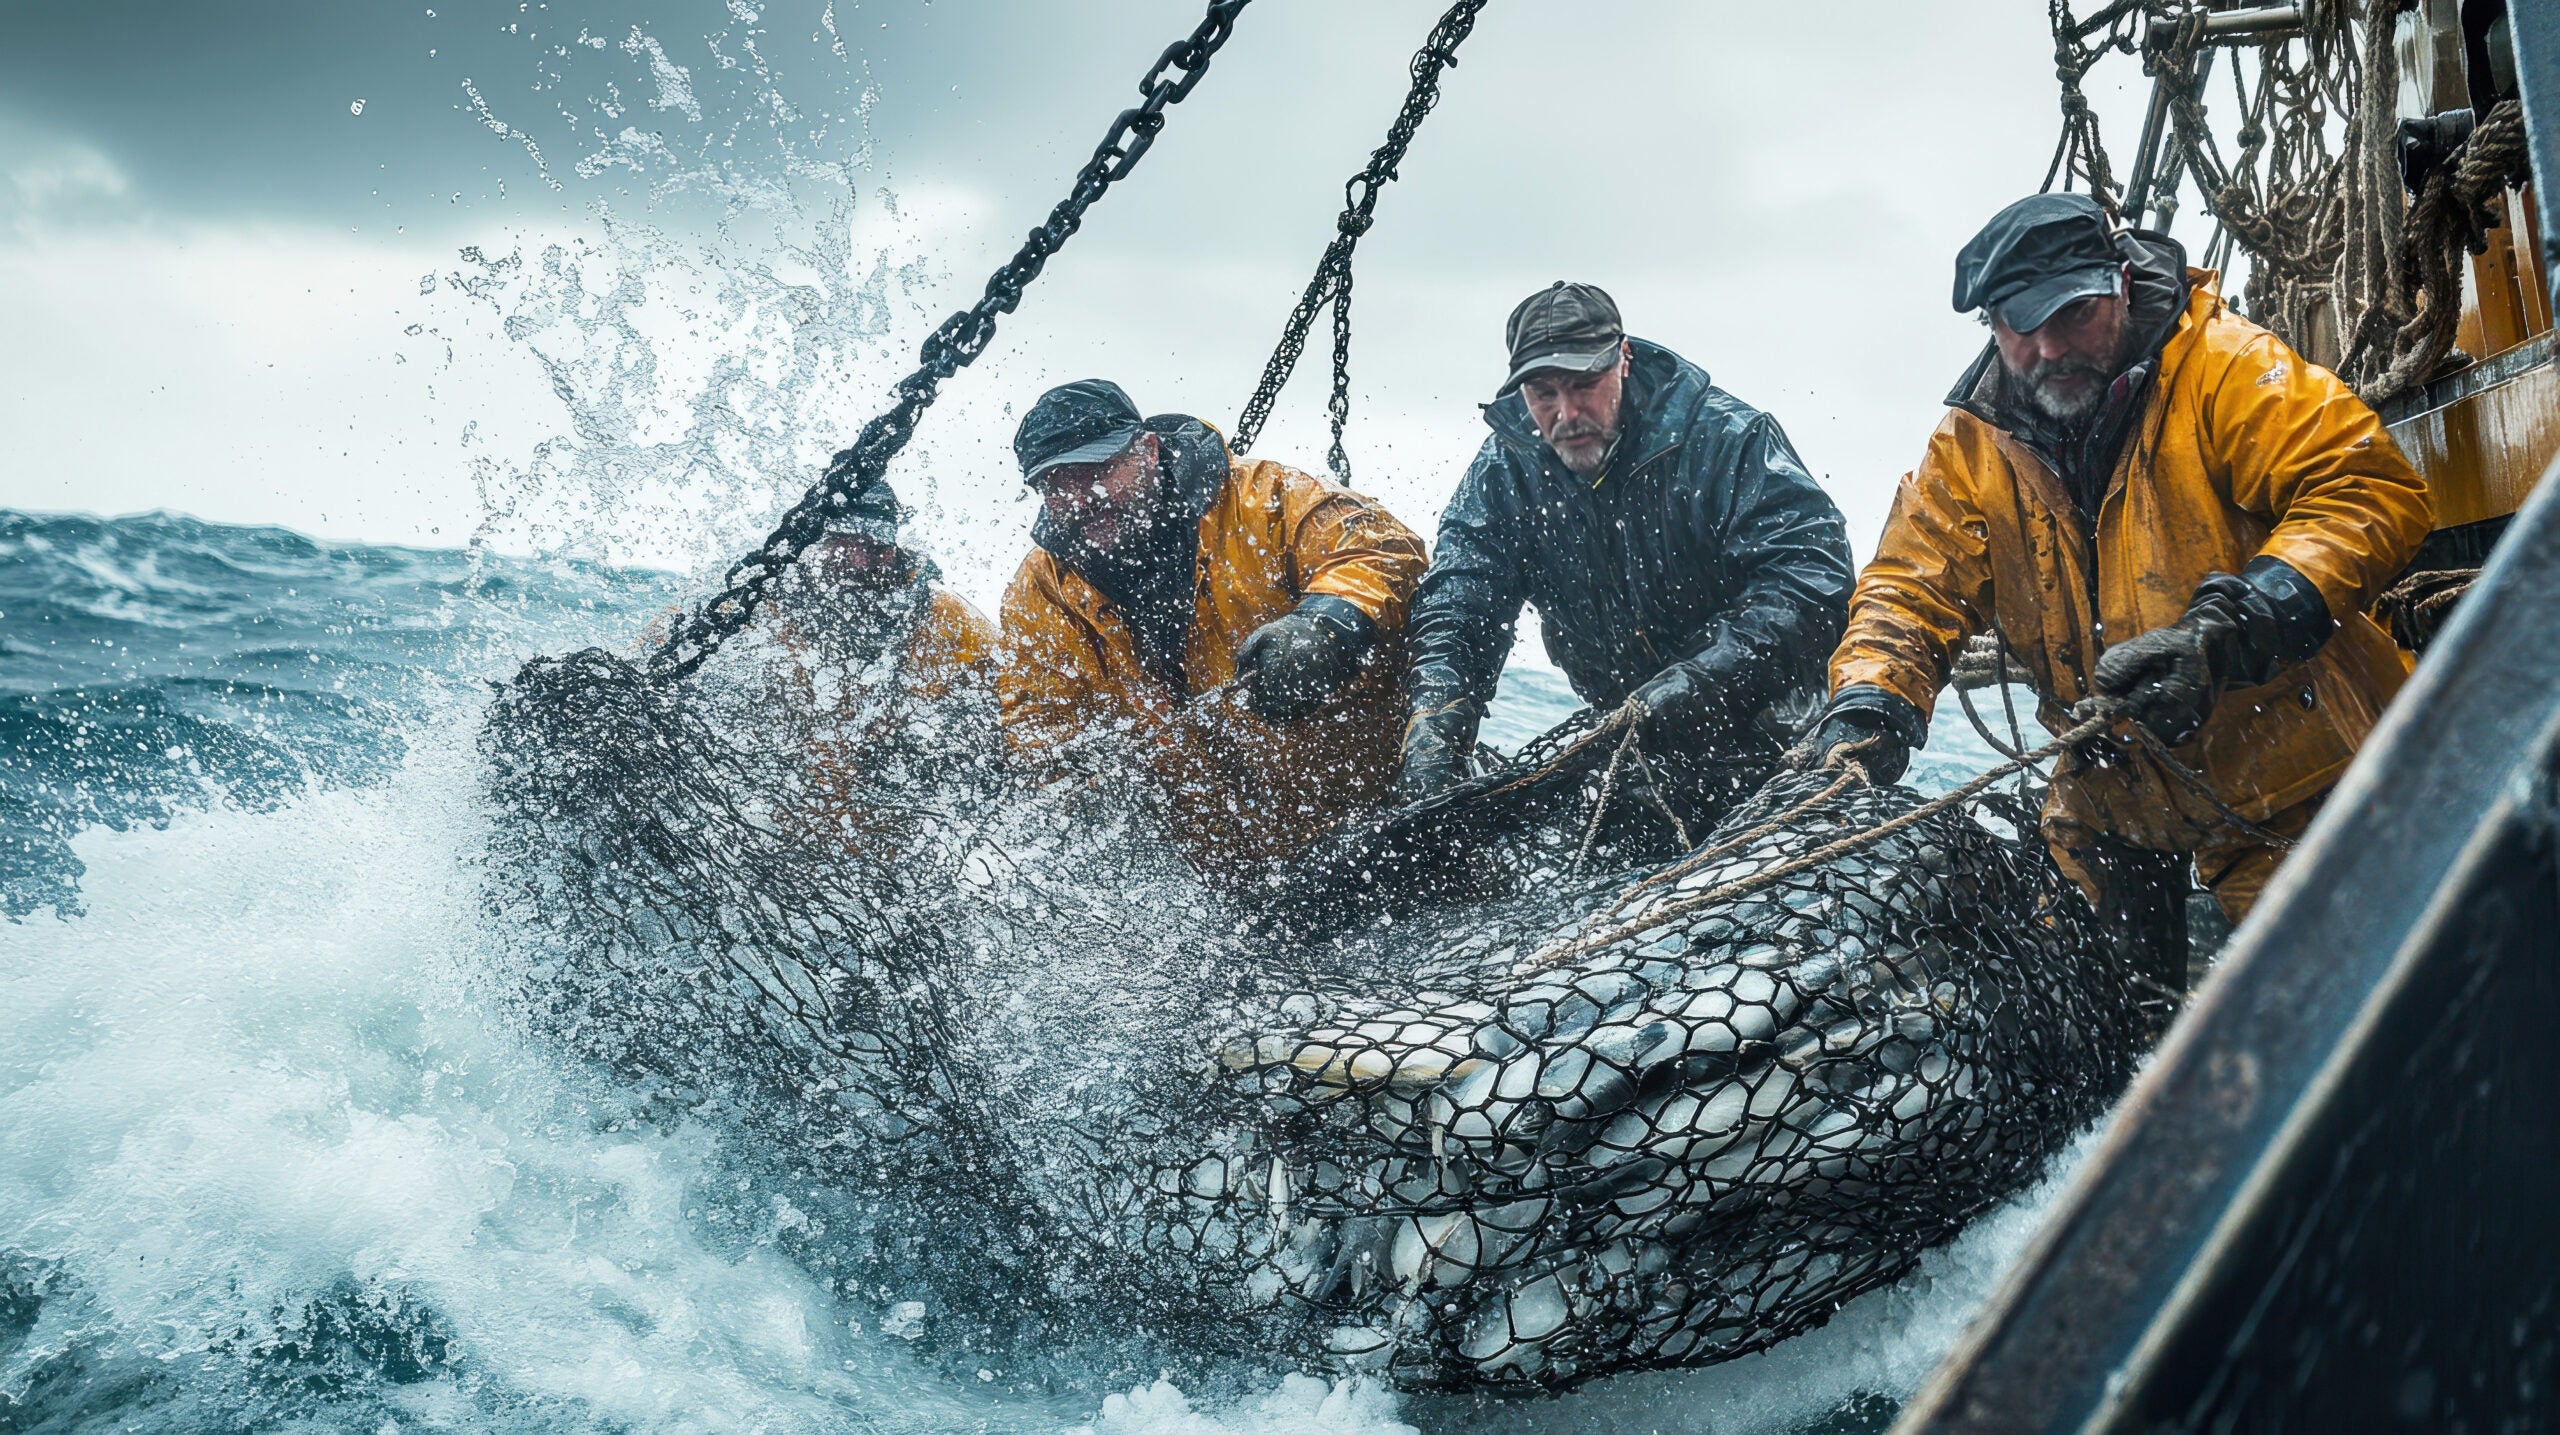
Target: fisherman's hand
(1436,741)
(1427,773)
(1859,737)
(2238,631)
(1874,728)
(1682,698)
(2169,678)
(1297,661)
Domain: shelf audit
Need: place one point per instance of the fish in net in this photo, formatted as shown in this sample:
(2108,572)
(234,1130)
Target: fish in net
(1557,1120)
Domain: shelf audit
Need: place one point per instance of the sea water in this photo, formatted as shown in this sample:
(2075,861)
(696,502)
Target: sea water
(275,1155)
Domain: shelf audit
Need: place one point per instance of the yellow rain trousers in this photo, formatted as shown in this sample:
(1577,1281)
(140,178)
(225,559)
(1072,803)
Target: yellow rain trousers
(1238,792)
(2244,449)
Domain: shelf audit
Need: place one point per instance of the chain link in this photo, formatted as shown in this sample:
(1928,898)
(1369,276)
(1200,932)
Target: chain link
(1332,281)
(953,346)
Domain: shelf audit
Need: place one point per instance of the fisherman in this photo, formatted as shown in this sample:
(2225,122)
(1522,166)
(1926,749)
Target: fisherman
(1236,623)
(890,674)
(2150,499)
(1677,551)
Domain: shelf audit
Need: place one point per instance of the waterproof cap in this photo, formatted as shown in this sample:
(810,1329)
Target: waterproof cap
(874,515)
(2037,255)
(1573,327)
(1088,421)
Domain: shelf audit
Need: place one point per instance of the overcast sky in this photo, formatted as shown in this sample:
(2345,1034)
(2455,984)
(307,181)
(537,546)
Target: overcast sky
(220,223)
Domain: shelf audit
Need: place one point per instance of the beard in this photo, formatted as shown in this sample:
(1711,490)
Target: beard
(2042,386)
(1582,445)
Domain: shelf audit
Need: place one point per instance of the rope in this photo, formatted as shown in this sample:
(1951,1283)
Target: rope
(2079,154)
(1608,789)
(1743,887)
(1332,281)
(2092,717)
(1653,789)
(1850,773)
(2324,232)
(2417,606)
(2451,217)
(2194,782)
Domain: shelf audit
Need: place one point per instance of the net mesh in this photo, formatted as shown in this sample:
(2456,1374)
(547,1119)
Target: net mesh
(1569,1120)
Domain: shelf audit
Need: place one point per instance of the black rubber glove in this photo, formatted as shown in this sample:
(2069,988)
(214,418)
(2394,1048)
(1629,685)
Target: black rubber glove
(2237,632)
(1437,738)
(1297,661)
(1681,699)
(1875,728)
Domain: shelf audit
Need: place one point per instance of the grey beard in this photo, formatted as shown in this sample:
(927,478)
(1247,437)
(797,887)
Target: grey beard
(2071,420)
(2066,415)
(1608,451)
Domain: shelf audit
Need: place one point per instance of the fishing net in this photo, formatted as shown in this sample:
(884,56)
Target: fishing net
(1571,1119)
(645,828)
(1637,1123)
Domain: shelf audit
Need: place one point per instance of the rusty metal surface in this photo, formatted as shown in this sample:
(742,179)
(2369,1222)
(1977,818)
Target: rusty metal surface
(2201,1150)
(2493,430)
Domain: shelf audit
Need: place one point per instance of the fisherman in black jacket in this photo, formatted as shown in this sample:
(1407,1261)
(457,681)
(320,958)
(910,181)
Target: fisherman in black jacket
(1676,549)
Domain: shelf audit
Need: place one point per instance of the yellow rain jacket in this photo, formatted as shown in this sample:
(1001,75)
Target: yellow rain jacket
(1239,792)
(2243,449)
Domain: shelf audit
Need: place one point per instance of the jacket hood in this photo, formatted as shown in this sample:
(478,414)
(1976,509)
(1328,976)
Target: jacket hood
(1662,398)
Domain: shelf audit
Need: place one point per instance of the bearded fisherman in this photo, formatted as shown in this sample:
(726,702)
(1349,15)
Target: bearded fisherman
(1677,552)
(2151,499)
(891,675)
(1232,625)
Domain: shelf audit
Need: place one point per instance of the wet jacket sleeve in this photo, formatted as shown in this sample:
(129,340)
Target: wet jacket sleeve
(1786,539)
(1469,603)
(2302,451)
(1343,545)
(1927,589)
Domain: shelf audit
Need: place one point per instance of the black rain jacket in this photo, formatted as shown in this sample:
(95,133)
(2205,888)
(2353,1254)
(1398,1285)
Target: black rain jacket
(1703,539)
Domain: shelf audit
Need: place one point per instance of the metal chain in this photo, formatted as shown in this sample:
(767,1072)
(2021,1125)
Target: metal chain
(1332,281)
(951,348)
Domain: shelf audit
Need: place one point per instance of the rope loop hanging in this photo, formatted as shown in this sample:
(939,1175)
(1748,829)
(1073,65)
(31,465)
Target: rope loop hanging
(1332,282)
(953,346)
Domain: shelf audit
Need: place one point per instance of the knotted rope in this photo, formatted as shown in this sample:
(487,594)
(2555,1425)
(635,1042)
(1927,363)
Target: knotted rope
(2091,718)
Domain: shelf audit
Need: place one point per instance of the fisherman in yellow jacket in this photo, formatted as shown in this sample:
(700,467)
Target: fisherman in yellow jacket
(889,676)
(1233,626)
(2147,497)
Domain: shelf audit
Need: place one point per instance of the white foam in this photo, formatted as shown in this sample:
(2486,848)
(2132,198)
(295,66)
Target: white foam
(255,1072)
(1299,1405)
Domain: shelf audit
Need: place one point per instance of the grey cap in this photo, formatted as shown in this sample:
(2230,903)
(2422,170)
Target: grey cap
(1570,327)
(1088,421)
(2037,255)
